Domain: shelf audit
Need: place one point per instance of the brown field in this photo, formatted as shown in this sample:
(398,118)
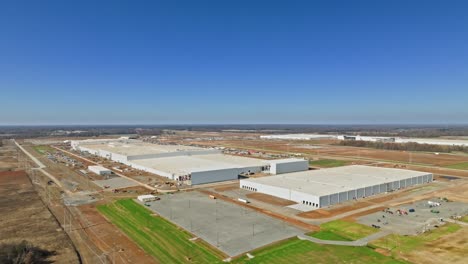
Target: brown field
(391,155)
(25,217)
(366,212)
(227,187)
(8,158)
(270,199)
(451,248)
(434,170)
(347,152)
(108,238)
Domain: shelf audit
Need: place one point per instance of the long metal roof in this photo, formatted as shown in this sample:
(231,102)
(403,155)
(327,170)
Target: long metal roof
(329,181)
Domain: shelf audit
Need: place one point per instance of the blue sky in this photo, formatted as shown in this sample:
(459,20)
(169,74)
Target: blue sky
(173,62)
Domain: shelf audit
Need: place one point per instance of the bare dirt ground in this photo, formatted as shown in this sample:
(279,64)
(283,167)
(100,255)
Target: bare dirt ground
(8,158)
(451,248)
(25,217)
(354,216)
(324,213)
(270,199)
(434,170)
(110,239)
(227,187)
(442,159)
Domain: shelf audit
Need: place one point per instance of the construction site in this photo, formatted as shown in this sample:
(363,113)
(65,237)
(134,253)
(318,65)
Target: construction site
(235,199)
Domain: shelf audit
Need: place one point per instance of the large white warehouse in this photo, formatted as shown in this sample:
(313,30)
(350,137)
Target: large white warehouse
(185,163)
(320,188)
(432,141)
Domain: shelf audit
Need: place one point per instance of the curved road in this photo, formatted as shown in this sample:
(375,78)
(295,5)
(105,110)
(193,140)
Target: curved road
(356,243)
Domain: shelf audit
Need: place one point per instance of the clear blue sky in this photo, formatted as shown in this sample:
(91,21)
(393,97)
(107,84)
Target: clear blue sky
(220,61)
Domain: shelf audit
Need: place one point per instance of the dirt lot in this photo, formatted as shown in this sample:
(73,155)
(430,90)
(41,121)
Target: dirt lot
(451,248)
(434,170)
(25,217)
(227,187)
(324,213)
(401,156)
(340,151)
(109,238)
(8,157)
(270,199)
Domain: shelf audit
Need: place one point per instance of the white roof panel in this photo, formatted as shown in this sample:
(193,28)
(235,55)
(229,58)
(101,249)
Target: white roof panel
(335,180)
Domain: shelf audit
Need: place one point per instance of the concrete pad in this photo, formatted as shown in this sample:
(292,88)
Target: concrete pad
(419,221)
(231,228)
(116,183)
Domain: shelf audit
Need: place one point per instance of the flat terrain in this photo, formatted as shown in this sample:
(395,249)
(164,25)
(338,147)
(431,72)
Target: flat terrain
(338,152)
(328,163)
(295,251)
(158,237)
(344,230)
(25,217)
(459,166)
(230,227)
(110,239)
(446,244)
(414,223)
(8,158)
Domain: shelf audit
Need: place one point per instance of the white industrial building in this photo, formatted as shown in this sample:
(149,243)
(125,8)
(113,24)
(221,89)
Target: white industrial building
(432,141)
(320,188)
(185,163)
(288,165)
(147,198)
(99,170)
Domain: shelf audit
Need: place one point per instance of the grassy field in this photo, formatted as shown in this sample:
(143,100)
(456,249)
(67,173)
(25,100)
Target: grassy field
(460,166)
(464,219)
(408,243)
(328,163)
(158,237)
(328,235)
(343,230)
(299,251)
(43,149)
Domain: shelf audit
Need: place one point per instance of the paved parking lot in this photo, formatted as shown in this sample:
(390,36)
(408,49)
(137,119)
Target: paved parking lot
(231,228)
(116,183)
(414,223)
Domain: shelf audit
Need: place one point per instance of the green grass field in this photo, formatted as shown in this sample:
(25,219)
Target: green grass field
(328,163)
(464,219)
(43,149)
(343,230)
(158,237)
(328,235)
(295,251)
(409,243)
(459,166)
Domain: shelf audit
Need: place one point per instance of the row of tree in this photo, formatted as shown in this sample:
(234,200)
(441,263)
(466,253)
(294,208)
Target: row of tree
(403,146)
